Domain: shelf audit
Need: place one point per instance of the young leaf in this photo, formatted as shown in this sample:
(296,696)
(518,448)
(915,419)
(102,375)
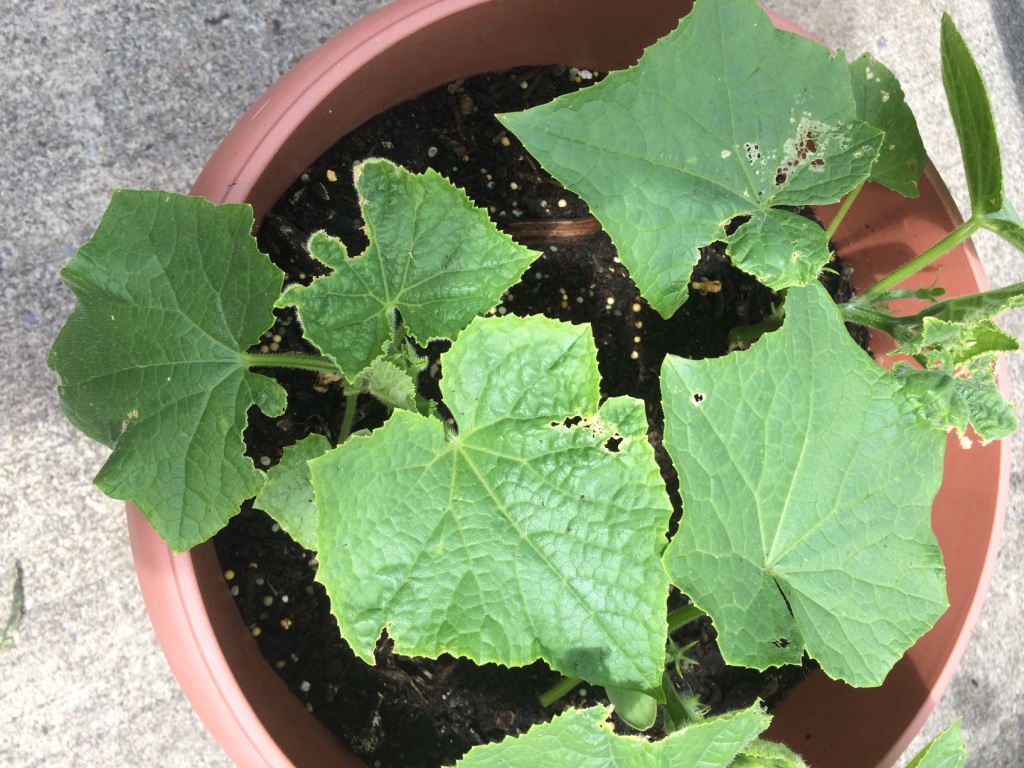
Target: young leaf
(952,399)
(972,117)
(288,495)
(880,103)
(394,387)
(789,547)
(1007,224)
(171,291)
(582,738)
(724,117)
(767,754)
(519,538)
(958,329)
(433,256)
(946,750)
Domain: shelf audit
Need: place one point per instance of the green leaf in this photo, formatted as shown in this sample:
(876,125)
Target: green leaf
(288,495)
(976,307)
(724,117)
(386,381)
(782,248)
(584,739)
(433,256)
(952,400)
(946,750)
(518,538)
(972,117)
(767,754)
(881,104)
(1007,224)
(958,330)
(171,291)
(801,531)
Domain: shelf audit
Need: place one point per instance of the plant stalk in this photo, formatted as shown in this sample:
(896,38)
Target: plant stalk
(558,690)
(841,213)
(912,267)
(348,417)
(294,360)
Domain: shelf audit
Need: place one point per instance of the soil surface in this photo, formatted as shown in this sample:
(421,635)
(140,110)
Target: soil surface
(421,713)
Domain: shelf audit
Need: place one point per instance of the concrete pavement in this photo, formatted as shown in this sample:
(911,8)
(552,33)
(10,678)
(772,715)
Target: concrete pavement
(98,94)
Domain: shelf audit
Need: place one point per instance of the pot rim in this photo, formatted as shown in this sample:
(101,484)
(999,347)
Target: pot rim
(191,584)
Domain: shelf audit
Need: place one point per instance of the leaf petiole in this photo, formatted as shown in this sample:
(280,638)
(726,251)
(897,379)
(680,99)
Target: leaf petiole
(848,201)
(912,267)
(294,360)
(348,417)
(558,690)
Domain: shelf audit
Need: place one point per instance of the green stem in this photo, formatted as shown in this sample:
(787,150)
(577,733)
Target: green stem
(348,417)
(743,335)
(683,615)
(841,213)
(912,267)
(296,360)
(558,690)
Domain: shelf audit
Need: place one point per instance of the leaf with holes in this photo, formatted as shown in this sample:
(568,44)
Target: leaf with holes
(880,103)
(171,291)
(724,117)
(526,535)
(433,257)
(801,530)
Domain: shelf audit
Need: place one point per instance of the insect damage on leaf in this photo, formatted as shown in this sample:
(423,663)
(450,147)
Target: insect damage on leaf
(664,167)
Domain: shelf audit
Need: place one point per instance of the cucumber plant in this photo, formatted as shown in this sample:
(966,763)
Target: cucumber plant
(533,523)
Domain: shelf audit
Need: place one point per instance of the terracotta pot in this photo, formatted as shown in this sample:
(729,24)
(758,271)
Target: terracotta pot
(397,53)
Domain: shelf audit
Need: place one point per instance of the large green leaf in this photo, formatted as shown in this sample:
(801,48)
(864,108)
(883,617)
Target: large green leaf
(972,117)
(433,256)
(881,104)
(523,536)
(582,738)
(171,291)
(724,117)
(807,481)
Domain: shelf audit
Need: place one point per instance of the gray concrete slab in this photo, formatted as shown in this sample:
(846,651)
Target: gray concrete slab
(95,95)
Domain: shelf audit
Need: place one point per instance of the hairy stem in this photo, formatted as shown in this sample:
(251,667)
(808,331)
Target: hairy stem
(742,335)
(348,417)
(912,267)
(841,213)
(558,690)
(295,360)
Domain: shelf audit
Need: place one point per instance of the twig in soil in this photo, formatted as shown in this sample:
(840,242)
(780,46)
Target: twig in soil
(541,232)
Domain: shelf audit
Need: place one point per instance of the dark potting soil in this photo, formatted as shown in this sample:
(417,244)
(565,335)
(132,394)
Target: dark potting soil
(422,713)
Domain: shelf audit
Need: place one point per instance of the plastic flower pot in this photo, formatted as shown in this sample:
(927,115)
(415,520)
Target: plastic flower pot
(398,53)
